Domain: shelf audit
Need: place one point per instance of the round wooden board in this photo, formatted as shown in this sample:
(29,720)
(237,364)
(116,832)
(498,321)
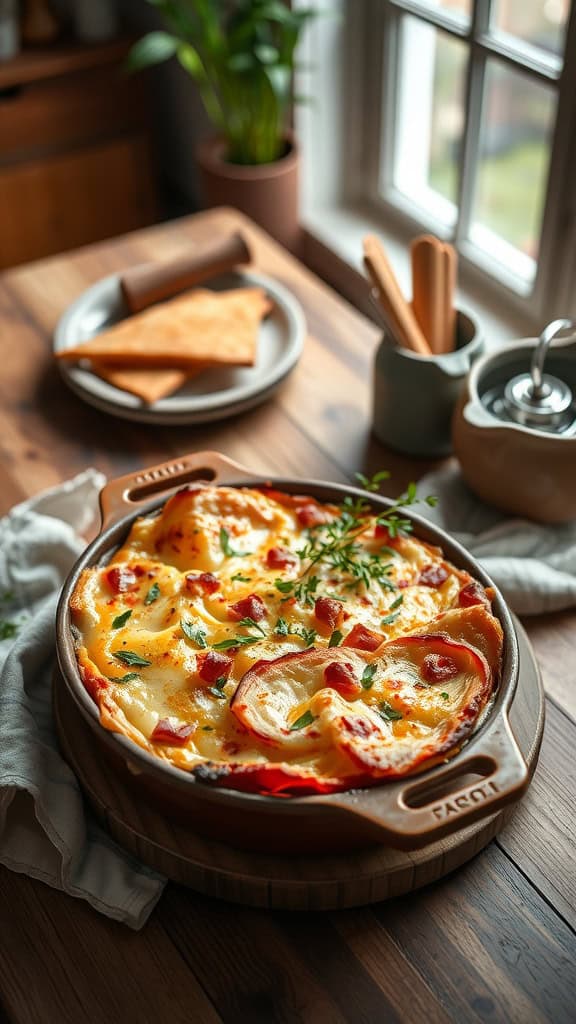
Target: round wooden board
(286,883)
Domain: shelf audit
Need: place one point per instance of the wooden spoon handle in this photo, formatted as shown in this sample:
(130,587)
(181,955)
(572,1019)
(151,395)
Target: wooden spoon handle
(450,264)
(428,289)
(395,307)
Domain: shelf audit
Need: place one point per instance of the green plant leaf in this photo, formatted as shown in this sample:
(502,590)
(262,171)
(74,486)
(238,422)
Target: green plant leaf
(266,54)
(190,60)
(152,49)
(240,62)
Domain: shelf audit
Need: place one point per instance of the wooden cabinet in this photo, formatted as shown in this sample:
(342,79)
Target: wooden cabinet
(75,161)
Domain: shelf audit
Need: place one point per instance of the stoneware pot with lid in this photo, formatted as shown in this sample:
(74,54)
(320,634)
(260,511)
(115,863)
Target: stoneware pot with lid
(514,429)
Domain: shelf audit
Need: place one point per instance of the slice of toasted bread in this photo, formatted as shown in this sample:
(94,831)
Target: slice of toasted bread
(149,384)
(211,328)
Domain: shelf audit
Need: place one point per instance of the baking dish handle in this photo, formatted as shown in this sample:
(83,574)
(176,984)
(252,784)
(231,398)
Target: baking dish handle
(421,811)
(127,494)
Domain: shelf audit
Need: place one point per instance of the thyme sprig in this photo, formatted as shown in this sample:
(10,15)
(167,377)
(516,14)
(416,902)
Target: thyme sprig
(334,544)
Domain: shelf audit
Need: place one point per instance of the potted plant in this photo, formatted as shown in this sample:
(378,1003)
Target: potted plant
(241,54)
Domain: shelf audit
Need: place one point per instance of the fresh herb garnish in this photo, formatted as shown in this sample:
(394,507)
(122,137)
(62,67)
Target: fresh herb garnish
(227,548)
(130,658)
(307,635)
(193,632)
(218,687)
(124,679)
(153,594)
(388,713)
(235,641)
(207,728)
(445,696)
(121,620)
(306,719)
(336,638)
(335,546)
(8,629)
(252,624)
(238,577)
(367,679)
(397,602)
(389,619)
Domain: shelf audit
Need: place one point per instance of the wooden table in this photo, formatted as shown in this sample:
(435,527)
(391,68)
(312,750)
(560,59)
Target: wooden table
(493,942)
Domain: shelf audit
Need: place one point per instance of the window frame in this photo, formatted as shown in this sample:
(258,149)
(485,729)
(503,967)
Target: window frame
(372,30)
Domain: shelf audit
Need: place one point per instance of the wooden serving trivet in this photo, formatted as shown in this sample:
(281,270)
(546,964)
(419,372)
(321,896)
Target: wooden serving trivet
(286,883)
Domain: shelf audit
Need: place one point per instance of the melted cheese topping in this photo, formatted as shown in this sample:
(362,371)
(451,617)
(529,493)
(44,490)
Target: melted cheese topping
(193,645)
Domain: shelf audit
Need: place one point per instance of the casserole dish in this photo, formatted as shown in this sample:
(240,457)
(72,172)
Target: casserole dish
(487,773)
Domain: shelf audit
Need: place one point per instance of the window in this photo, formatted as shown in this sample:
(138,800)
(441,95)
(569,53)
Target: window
(462,115)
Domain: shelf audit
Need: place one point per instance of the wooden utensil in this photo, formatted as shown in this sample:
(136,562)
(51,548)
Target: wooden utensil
(394,306)
(428,289)
(153,282)
(450,271)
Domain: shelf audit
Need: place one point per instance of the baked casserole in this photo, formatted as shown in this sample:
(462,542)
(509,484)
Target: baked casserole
(270,643)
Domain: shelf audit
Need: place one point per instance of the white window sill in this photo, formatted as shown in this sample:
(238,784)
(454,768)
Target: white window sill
(341,230)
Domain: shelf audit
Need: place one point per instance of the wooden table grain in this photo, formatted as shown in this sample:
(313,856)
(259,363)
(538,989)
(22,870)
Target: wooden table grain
(493,942)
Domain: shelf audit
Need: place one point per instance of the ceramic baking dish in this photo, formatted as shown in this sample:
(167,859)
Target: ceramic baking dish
(487,773)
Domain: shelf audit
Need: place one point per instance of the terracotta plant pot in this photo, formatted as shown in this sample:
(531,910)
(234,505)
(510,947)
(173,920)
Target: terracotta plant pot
(268,193)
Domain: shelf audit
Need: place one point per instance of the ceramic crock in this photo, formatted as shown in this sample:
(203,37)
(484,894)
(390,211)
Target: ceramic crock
(408,813)
(519,469)
(414,396)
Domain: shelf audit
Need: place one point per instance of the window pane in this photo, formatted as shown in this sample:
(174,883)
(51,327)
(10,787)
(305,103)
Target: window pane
(540,23)
(517,121)
(462,7)
(429,117)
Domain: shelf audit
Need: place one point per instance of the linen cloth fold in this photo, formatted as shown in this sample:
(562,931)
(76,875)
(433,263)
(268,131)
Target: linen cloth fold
(46,831)
(534,565)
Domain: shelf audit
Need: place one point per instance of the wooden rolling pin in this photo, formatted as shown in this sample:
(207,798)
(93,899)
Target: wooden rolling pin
(148,283)
(396,310)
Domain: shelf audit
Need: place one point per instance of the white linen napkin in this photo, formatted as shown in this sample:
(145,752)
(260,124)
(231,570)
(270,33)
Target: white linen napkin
(533,565)
(45,828)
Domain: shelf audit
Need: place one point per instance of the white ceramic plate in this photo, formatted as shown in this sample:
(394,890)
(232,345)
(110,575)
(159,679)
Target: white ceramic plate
(215,393)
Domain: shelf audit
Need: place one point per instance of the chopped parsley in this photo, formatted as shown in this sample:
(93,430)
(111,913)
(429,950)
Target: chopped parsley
(307,635)
(389,619)
(388,713)
(227,548)
(367,679)
(445,696)
(130,658)
(121,620)
(235,641)
(239,578)
(153,594)
(252,624)
(218,687)
(193,633)
(8,629)
(336,639)
(396,604)
(306,719)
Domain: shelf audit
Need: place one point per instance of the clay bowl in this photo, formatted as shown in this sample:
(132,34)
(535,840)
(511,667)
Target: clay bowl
(488,773)
(518,469)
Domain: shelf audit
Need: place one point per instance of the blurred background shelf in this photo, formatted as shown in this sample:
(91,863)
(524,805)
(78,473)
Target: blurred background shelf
(75,150)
